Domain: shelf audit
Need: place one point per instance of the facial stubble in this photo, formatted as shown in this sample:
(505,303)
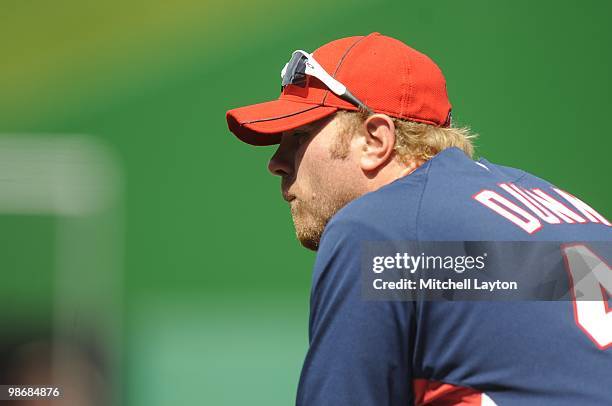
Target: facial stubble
(311,216)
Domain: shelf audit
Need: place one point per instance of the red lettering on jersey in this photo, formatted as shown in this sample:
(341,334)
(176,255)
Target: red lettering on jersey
(606,299)
(558,208)
(531,204)
(540,203)
(509,210)
(583,208)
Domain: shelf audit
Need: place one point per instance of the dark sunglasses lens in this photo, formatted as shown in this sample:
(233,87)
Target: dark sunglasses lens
(295,73)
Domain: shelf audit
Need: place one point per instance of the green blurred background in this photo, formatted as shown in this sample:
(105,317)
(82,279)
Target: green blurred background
(212,304)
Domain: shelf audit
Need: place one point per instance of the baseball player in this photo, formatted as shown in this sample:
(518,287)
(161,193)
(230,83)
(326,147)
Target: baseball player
(367,151)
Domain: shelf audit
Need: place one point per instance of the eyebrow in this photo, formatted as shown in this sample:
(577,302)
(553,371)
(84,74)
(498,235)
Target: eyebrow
(304,129)
(308,128)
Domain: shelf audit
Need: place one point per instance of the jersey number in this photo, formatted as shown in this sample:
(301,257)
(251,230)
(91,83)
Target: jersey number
(590,278)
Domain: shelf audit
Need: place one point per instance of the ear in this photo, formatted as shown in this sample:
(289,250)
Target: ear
(379,142)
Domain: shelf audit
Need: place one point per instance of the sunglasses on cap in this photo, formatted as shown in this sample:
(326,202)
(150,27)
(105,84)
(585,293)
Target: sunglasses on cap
(302,63)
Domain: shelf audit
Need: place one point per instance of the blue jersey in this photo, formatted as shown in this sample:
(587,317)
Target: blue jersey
(442,353)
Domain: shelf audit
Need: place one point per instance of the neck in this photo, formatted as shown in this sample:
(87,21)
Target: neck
(391,172)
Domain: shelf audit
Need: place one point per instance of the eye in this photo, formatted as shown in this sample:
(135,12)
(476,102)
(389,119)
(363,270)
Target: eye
(301,137)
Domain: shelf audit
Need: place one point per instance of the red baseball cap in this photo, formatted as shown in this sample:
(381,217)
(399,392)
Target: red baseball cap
(387,75)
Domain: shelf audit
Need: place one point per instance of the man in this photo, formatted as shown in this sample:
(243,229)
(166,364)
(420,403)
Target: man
(368,152)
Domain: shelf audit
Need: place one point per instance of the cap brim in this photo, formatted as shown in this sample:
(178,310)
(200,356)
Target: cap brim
(263,123)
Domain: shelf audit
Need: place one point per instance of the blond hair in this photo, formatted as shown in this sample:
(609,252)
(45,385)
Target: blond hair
(413,141)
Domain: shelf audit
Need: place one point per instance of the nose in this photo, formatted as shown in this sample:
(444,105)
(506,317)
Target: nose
(280,163)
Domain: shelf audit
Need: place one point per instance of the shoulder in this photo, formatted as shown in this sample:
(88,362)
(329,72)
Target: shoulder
(479,200)
(436,189)
(389,212)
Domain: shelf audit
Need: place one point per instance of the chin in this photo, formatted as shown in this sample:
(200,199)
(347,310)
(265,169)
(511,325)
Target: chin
(307,232)
(310,244)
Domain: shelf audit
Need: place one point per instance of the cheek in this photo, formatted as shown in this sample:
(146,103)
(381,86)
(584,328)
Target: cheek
(318,175)
(306,173)
(322,177)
